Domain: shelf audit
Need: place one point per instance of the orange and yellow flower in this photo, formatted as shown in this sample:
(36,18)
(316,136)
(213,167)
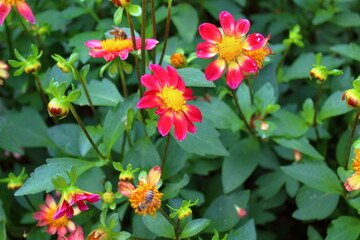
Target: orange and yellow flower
(21,6)
(78,234)
(145,198)
(45,216)
(353,182)
(233,47)
(168,94)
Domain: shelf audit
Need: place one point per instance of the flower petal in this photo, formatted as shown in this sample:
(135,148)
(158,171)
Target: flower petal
(150,82)
(4,11)
(69,212)
(188,94)
(206,50)
(82,206)
(247,64)
(71,226)
(154,176)
(78,234)
(215,69)
(149,101)
(51,229)
(150,43)
(60,211)
(123,54)
(126,188)
(92,197)
(61,230)
(97,54)
(242,27)
(234,75)
(25,11)
(109,56)
(193,113)
(50,201)
(166,121)
(181,126)
(173,76)
(210,33)
(227,23)
(93,44)
(160,74)
(353,182)
(254,41)
(191,127)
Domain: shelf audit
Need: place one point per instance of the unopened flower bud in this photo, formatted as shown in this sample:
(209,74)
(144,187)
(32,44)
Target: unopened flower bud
(14,184)
(297,155)
(264,126)
(58,108)
(352,98)
(64,66)
(108,197)
(184,213)
(32,66)
(126,176)
(98,234)
(241,212)
(320,73)
(121,3)
(178,60)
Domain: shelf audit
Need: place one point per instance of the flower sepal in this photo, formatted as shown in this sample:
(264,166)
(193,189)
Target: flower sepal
(184,211)
(15,182)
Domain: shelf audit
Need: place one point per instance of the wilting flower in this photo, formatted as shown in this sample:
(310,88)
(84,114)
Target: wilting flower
(260,54)
(230,44)
(78,234)
(353,182)
(117,46)
(21,6)
(45,216)
(168,94)
(145,198)
(3,72)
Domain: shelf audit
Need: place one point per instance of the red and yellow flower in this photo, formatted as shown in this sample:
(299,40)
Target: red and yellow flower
(353,182)
(145,198)
(22,7)
(233,47)
(260,54)
(45,216)
(168,94)
(78,234)
(110,48)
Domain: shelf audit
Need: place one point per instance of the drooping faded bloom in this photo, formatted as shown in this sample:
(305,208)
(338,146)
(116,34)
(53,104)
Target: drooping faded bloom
(117,46)
(78,234)
(21,6)
(260,54)
(233,46)
(4,74)
(145,198)
(168,94)
(45,216)
(353,182)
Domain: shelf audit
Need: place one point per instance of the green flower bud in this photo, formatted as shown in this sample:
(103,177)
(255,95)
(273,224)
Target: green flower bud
(64,66)
(58,108)
(352,98)
(121,3)
(32,66)
(320,73)
(15,184)
(184,213)
(126,176)
(108,197)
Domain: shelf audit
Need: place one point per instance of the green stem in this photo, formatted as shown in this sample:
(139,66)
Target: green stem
(153,23)
(167,28)
(76,116)
(178,230)
(163,158)
(351,138)
(122,78)
(167,217)
(30,203)
(282,58)
(315,111)
(143,27)
(83,83)
(9,39)
(241,114)
(250,90)
(127,133)
(39,85)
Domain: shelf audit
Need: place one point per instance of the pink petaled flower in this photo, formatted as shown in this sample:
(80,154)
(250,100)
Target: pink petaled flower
(168,94)
(3,72)
(21,6)
(229,44)
(74,196)
(75,235)
(45,216)
(117,46)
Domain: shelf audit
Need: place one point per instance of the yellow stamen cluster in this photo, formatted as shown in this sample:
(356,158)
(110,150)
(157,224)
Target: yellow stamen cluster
(173,98)
(116,45)
(356,161)
(138,197)
(258,55)
(230,48)
(13,2)
(61,222)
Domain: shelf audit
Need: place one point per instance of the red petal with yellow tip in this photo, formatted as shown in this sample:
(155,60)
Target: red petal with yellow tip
(215,69)
(234,75)
(227,23)
(210,33)
(206,50)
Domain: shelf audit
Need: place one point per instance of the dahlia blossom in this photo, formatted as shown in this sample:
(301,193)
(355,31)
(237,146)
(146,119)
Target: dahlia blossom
(21,6)
(168,94)
(353,182)
(78,234)
(231,44)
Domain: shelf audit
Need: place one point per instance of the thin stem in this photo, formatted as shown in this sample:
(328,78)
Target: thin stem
(163,158)
(9,39)
(282,58)
(167,217)
(83,83)
(250,90)
(167,28)
(143,26)
(315,111)
(76,116)
(351,137)
(178,230)
(153,23)
(127,133)
(137,66)
(241,114)
(122,78)
(30,203)
(39,85)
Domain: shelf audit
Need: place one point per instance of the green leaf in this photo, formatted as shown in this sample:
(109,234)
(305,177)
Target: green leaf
(194,78)
(301,144)
(172,189)
(185,18)
(73,96)
(344,227)
(204,141)
(308,111)
(194,227)
(333,106)
(300,68)
(315,175)
(289,125)
(322,16)
(40,179)
(134,10)
(245,232)
(263,97)
(159,225)
(118,15)
(103,93)
(2,222)
(95,132)
(243,159)
(52,17)
(66,137)
(243,95)
(347,19)
(313,204)
(270,184)
(350,50)
(313,234)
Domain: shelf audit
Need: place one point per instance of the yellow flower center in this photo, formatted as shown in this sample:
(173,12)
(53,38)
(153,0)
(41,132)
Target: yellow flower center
(173,98)
(356,163)
(61,222)
(116,45)
(230,48)
(145,202)
(13,2)
(258,55)
(178,60)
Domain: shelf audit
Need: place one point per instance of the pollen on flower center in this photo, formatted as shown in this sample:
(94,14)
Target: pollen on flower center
(173,98)
(230,48)
(116,45)
(258,55)
(142,202)
(61,222)
(13,2)
(356,163)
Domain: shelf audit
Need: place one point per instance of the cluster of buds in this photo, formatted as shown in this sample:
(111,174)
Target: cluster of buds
(29,64)
(352,96)
(320,73)
(184,211)
(15,182)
